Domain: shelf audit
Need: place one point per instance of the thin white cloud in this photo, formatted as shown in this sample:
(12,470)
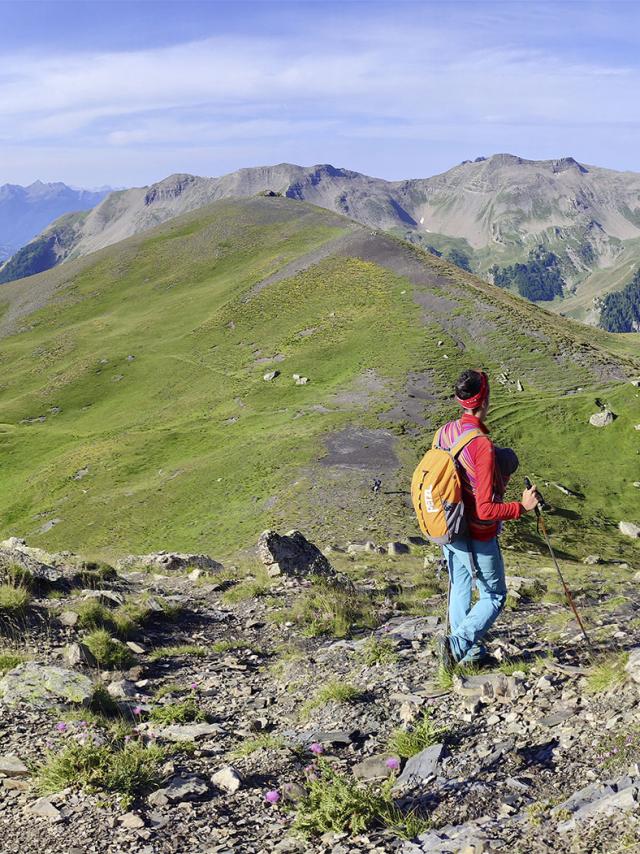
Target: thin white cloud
(377,82)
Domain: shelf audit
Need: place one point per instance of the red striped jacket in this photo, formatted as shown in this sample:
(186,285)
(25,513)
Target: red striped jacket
(482,485)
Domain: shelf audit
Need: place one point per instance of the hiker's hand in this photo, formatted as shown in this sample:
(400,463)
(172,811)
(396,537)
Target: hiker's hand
(530,498)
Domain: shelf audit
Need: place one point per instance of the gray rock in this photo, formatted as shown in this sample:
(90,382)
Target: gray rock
(15,552)
(373,767)
(11,766)
(108,598)
(69,618)
(414,628)
(302,380)
(629,529)
(420,767)
(602,419)
(292,555)
(632,666)
(45,809)
(79,654)
(227,779)
(270,375)
(132,821)
(184,787)
(592,560)
(182,732)
(44,686)
(489,685)
(397,548)
(169,562)
(122,689)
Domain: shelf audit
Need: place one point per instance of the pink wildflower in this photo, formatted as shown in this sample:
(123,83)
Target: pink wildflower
(316,748)
(272,797)
(392,763)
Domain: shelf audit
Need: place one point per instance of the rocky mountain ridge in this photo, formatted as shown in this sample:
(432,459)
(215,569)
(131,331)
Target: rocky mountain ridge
(491,210)
(26,211)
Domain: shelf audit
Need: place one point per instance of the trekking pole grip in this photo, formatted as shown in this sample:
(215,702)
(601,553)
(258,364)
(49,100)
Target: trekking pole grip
(528,485)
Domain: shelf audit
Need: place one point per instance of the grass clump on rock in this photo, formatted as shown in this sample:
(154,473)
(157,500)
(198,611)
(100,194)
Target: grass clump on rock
(107,652)
(9,659)
(334,691)
(185,712)
(121,765)
(408,742)
(330,609)
(337,803)
(378,651)
(608,674)
(265,741)
(14,601)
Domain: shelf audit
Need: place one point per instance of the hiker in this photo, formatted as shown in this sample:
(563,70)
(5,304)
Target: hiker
(475,551)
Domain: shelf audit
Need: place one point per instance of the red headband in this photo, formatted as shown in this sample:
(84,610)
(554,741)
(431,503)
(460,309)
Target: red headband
(478,399)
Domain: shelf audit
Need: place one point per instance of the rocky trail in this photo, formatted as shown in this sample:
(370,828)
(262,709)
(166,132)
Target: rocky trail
(281,695)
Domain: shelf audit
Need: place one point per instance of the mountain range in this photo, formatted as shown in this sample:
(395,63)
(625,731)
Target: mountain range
(482,213)
(26,211)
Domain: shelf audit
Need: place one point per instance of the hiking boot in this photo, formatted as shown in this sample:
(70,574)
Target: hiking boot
(446,656)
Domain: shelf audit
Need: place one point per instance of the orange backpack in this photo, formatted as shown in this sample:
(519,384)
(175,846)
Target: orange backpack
(436,489)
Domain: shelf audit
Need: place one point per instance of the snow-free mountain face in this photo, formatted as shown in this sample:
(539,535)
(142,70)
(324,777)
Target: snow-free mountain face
(488,212)
(25,211)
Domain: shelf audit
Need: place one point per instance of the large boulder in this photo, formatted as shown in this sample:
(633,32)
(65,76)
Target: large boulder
(292,554)
(602,419)
(41,565)
(629,529)
(164,562)
(44,686)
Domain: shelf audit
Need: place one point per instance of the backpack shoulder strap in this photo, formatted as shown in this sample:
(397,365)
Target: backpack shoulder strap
(464,439)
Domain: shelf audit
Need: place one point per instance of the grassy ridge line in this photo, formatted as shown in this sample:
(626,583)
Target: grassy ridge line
(179,461)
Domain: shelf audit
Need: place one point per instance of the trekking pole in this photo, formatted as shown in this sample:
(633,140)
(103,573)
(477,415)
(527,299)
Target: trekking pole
(567,592)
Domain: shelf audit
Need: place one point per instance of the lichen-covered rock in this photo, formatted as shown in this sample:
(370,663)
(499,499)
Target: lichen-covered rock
(163,562)
(629,529)
(43,566)
(44,686)
(292,554)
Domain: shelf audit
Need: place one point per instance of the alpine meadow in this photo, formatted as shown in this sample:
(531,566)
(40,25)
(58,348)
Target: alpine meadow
(319,427)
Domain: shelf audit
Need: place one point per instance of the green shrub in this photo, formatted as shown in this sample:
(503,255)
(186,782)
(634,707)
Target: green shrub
(14,601)
(106,651)
(17,576)
(336,803)
(9,659)
(329,609)
(408,742)
(607,674)
(266,741)
(185,712)
(126,768)
(177,651)
(378,651)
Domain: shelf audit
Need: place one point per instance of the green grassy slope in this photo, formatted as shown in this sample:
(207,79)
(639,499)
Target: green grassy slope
(134,414)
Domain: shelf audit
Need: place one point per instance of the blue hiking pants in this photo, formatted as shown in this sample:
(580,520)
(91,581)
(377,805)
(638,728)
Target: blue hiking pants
(470,624)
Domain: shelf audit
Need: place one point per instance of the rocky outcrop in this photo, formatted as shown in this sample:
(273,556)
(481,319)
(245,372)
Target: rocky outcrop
(169,562)
(44,686)
(292,554)
(41,565)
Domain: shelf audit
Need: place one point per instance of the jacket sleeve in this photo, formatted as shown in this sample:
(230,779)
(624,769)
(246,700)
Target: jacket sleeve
(488,510)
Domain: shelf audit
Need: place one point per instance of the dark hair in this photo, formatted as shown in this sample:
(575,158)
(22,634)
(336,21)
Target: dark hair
(468,384)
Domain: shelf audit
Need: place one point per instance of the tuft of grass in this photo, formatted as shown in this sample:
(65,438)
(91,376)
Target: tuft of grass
(378,651)
(250,588)
(9,659)
(127,769)
(607,674)
(185,712)
(329,609)
(17,576)
(337,803)
(108,652)
(408,742)
(14,601)
(266,741)
(518,665)
(178,651)
(93,615)
(334,691)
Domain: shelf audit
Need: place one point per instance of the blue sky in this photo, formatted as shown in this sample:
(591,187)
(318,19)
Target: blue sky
(125,93)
